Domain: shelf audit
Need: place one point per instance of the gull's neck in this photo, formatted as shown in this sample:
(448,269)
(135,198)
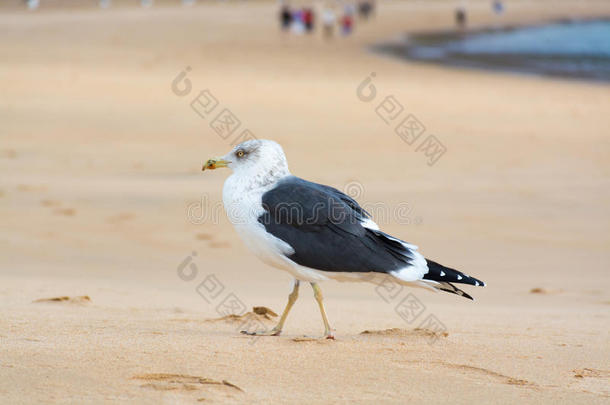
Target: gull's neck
(254,180)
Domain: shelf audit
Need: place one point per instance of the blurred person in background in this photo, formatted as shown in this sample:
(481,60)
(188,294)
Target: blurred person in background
(349,8)
(297,22)
(285,17)
(498,7)
(460,16)
(308,19)
(32,4)
(365,7)
(347,21)
(329,19)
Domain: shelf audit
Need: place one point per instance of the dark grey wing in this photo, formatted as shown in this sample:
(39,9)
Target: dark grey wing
(358,210)
(323,226)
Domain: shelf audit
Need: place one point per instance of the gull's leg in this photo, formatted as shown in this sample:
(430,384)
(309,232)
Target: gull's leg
(292,297)
(317,293)
(277,329)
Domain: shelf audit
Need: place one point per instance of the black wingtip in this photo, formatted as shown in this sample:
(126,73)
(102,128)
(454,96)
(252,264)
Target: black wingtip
(440,273)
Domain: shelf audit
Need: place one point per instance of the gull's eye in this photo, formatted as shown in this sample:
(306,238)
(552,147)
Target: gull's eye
(240,153)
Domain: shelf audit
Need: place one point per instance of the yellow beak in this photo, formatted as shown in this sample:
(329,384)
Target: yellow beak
(215,163)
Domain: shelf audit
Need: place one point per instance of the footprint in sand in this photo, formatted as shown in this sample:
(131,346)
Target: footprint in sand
(183,382)
(83,299)
(320,340)
(49,203)
(68,212)
(478,372)
(211,243)
(8,153)
(28,188)
(592,380)
(544,291)
(417,332)
(219,245)
(121,217)
(591,372)
(258,313)
(204,236)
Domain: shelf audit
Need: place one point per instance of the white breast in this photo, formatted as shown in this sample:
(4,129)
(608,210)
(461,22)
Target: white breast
(243,206)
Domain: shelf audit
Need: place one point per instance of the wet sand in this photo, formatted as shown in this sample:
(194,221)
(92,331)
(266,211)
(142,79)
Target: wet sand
(102,194)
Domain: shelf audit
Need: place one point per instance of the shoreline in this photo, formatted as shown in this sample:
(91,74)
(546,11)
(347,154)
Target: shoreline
(430,47)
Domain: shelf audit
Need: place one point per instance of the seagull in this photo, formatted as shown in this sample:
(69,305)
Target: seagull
(316,232)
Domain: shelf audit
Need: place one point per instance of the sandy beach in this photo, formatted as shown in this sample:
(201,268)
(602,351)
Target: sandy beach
(105,211)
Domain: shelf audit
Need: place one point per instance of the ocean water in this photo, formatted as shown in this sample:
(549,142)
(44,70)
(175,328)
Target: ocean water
(578,49)
(575,39)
